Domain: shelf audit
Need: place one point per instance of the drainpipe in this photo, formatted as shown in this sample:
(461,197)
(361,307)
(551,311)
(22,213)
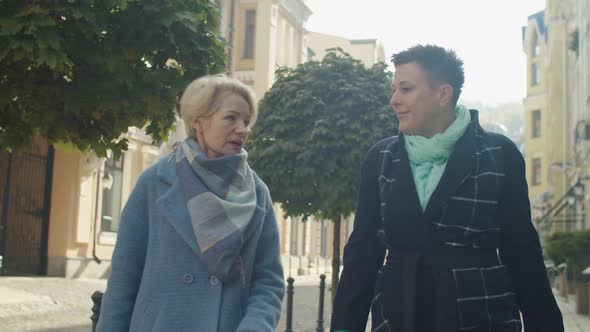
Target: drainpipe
(231,36)
(565,96)
(98,185)
(4,220)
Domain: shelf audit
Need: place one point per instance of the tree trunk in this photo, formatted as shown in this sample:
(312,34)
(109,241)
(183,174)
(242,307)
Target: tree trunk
(336,256)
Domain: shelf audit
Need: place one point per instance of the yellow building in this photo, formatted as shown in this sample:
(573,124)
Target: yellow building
(263,35)
(579,54)
(548,114)
(73,229)
(60,208)
(87,197)
(369,51)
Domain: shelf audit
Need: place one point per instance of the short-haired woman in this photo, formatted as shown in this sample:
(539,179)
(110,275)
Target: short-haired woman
(449,203)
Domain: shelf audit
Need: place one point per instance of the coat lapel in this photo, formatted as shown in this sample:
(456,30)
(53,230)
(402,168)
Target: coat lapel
(403,213)
(172,203)
(459,167)
(407,197)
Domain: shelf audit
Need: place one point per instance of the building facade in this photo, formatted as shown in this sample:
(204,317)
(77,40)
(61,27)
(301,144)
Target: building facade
(263,35)
(555,41)
(579,51)
(89,192)
(369,51)
(85,194)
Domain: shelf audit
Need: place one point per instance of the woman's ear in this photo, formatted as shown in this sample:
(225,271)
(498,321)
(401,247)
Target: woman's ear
(196,124)
(445,95)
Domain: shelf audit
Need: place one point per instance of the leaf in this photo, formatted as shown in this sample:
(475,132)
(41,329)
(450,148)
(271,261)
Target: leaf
(48,39)
(9,26)
(108,88)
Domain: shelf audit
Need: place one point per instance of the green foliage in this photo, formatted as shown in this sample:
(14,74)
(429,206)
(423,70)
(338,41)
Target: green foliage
(571,247)
(316,123)
(83,71)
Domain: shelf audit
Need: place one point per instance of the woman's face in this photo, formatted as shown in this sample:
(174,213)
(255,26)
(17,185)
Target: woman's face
(421,108)
(225,131)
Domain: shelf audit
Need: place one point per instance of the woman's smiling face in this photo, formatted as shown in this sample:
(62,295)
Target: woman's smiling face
(418,103)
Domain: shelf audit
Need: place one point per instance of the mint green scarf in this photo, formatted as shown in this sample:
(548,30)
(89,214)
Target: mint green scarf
(429,156)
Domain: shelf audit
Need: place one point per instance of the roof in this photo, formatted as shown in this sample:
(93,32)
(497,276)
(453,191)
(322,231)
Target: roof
(363,41)
(539,17)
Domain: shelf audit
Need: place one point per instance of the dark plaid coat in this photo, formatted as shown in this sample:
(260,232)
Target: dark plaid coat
(480,206)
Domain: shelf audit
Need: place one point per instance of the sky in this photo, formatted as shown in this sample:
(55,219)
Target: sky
(487,35)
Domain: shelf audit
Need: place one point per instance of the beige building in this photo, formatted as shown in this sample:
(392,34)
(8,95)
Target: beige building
(86,201)
(80,211)
(72,226)
(579,54)
(263,35)
(555,41)
(61,208)
(369,51)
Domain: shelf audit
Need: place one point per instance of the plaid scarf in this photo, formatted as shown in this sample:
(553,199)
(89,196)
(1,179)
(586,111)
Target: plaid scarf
(221,198)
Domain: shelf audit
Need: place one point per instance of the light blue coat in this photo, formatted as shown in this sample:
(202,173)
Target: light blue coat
(158,282)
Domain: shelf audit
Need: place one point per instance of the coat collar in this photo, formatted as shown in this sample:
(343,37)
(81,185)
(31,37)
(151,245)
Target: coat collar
(171,202)
(457,170)
(459,167)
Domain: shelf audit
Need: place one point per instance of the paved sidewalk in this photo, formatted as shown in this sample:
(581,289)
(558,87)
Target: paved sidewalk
(572,321)
(63,305)
(42,304)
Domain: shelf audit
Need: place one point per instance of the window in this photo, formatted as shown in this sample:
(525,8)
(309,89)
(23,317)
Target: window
(112,182)
(249,34)
(294,237)
(536,124)
(536,72)
(536,48)
(536,176)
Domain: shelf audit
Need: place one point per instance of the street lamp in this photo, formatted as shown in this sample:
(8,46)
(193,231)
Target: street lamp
(107,180)
(579,190)
(576,193)
(570,199)
(575,198)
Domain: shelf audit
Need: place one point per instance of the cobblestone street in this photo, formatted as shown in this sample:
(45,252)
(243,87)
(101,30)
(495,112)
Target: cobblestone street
(63,305)
(46,304)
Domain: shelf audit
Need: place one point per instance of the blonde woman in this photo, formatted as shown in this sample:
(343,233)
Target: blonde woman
(198,246)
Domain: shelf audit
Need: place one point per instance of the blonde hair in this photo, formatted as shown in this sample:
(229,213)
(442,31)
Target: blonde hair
(202,96)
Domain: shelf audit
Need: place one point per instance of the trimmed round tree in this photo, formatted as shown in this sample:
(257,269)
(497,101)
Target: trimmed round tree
(316,123)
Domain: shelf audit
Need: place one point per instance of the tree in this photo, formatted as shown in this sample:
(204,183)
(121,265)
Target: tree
(316,123)
(572,248)
(83,71)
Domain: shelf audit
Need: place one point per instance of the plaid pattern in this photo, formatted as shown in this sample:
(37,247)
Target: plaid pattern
(485,299)
(469,216)
(221,200)
(465,218)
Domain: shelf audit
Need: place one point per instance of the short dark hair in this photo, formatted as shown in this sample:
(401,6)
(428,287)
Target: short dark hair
(442,65)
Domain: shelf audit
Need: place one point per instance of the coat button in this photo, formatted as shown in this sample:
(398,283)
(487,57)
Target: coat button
(188,278)
(213,281)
